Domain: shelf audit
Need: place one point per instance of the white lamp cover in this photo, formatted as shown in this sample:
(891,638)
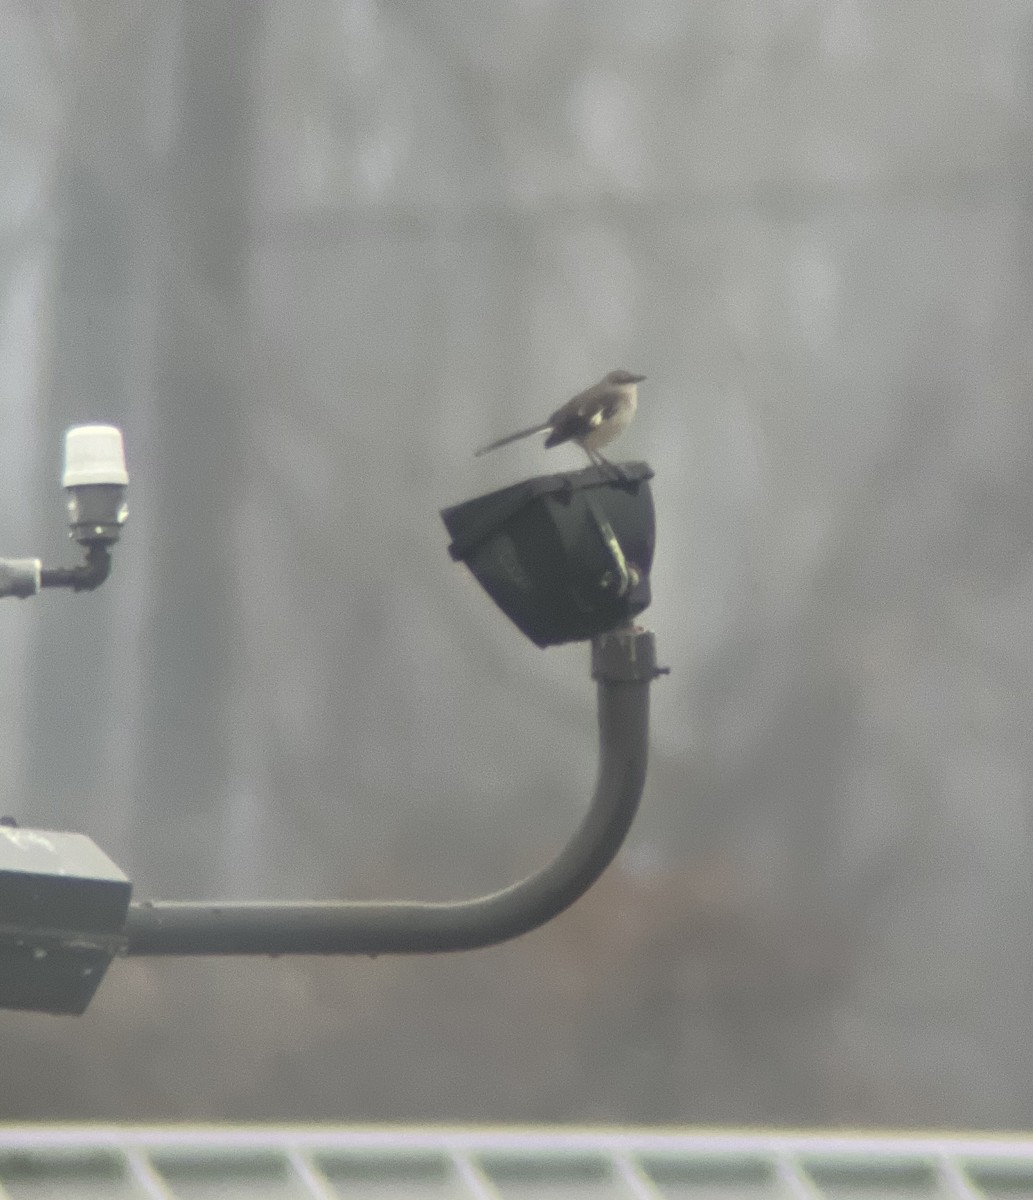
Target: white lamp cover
(94,454)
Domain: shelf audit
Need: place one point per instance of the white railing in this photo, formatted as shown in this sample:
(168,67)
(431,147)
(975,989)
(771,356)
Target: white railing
(493,1164)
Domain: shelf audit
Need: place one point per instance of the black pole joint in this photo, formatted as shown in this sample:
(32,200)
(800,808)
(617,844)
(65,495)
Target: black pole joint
(84,578)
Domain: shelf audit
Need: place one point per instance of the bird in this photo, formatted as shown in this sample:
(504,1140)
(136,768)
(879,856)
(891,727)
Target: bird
(591,419)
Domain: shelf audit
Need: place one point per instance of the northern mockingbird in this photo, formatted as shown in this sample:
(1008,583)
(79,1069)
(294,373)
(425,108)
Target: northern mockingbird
(593,418)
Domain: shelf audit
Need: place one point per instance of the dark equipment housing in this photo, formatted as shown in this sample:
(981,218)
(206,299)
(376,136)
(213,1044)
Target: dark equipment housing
(566,557)
(63,904)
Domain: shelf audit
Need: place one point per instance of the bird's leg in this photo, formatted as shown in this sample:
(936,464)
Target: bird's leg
(601,461)
(596,459)
(603,465)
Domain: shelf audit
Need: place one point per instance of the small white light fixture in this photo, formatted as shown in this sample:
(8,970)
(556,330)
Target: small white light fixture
(95,478)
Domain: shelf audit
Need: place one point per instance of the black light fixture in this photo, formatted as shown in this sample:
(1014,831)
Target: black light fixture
(63,904)
(566,557)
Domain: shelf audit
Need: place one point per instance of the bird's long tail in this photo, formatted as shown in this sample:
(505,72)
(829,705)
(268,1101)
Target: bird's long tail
(513,437)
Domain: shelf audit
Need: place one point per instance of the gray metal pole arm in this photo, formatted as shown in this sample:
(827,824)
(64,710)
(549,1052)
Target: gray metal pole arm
(624,664)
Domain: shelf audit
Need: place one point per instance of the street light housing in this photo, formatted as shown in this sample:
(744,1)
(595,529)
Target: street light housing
(566,557)
(63,904)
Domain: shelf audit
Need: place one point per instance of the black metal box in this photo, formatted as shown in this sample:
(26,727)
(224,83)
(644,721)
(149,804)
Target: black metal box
(565,557)
(63,906)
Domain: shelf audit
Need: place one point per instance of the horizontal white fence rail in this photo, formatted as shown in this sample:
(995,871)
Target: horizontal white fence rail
(410,1163)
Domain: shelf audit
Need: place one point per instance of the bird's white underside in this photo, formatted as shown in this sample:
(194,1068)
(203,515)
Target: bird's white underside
(604,431)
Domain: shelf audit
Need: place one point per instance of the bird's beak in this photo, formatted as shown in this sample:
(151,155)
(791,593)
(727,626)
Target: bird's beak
(637,378)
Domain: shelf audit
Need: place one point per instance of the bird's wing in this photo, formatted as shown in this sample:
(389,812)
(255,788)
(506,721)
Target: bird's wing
(578,417)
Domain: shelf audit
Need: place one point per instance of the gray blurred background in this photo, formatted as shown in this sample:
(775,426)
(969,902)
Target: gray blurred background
(309,255)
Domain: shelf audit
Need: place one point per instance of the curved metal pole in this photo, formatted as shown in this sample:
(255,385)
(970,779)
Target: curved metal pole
(624,664)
